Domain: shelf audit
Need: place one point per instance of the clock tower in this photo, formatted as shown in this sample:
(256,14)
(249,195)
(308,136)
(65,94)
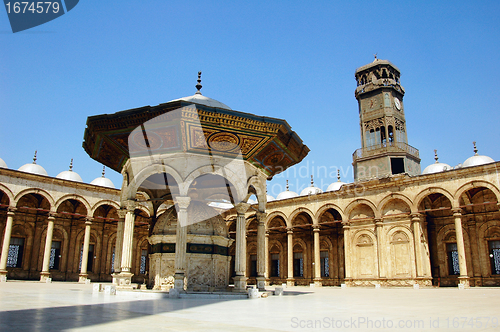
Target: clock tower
(385,150)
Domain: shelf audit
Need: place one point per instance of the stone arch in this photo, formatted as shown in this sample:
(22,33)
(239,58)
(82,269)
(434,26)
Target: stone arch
(393,197)
(431,190)
(275,214)
(141,243)
(300,210)
(260,191)
(281,251)
(128,193)
(78,198)
(472,185)
(228,174)
(327,207)
(402,252)
(37,191)
(8,193)
(101,203)
(365,252)
(357,204)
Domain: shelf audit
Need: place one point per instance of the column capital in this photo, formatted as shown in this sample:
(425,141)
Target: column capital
(182,202)
(378,222)
(261,216)
(121,213)
(346,224)
(242,207)
(11,210)
(457,212)
(130,205)
(52,215)
(88,220)
(289,230)
(316,228)
(416,217)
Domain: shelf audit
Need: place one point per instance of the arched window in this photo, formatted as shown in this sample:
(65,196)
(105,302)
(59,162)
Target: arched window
(298,261)
(16,251)
(452,254)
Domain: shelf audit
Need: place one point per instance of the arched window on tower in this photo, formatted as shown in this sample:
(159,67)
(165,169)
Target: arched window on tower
(391,134)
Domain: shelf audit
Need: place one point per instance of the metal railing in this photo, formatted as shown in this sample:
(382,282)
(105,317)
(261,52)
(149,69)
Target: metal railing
(385,147)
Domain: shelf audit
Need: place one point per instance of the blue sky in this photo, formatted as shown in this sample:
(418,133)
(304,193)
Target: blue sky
(287,59)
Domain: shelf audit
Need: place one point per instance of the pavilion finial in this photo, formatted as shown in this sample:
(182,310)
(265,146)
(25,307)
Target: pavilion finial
(312,181)
(475,148)
(34,158)
(103,170)
(286,185)
(338,175)
(71,165)
(199,86)
(436,155)
(375,57)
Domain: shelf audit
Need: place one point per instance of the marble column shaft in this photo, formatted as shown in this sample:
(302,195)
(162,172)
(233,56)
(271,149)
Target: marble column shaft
(128,238)
(119,241)
(48,244)
(417,234)
(6,238)
(460,242)
(261,244)
(289,232)
(86,244)
(181,236)
(240,261)
(317,257)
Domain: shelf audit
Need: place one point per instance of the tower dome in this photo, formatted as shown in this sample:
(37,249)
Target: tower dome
(311,190)
(33,168)
(70,175)
(477,159)
(103,181)
(336,185)
(199,99)
(3,164)
(437,166)
(286,194)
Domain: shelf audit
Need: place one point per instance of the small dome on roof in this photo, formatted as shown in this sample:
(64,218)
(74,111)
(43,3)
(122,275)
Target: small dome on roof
(477,159)
(286,194)
(437,166)
(311,190)
(270,198)
(33,168)
(336,185)
(198,98)
(103,181)
(70,175)
(3,164)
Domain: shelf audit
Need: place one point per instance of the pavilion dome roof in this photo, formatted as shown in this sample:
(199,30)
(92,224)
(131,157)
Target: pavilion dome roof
(336,185)
(70,175)
(270,198)
(199,99)
(311,190)
(477,159)
(33,168)
(3,164)
(286,194)
(103,181)
(437,166)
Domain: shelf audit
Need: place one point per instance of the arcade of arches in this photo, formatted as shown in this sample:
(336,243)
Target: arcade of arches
(437,229)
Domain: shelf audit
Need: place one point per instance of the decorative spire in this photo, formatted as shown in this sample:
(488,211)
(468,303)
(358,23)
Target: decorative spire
(436,156)
(312,181)
(199,86)
(103,170)
(475,148)
(34,158)
(71,165)
(338,175)
(286,185)
(375,56)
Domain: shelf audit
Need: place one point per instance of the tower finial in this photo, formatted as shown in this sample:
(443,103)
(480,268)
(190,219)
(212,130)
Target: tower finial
(199,86)
(286,185)
(436,155)
(312,181)
(338,175)
(375,56)
(103,170)
(34,158)
(71,165)
(475,148)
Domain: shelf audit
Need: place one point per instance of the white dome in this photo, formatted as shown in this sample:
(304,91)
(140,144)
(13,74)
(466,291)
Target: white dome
(436,168)
(311,190)
(335,186)
(69,175)
(103,182)
(34,169)
(198,98)
(477,160)
(286,194)
(270,198)
(3,164)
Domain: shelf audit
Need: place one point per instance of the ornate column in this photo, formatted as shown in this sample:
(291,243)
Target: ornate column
(289,241)
(181,242)
(463,278)
(347,251)
(417,234)
(261,251)
(125,276)
(85,254)
(266,271)
(380,248)
(240,261)
(317,258)
(6,243)
(119,245)
(45,274)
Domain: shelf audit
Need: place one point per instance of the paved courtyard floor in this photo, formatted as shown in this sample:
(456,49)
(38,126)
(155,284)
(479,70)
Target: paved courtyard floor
(64,306)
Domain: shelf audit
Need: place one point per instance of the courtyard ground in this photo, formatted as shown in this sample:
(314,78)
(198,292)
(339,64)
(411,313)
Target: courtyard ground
(65,306)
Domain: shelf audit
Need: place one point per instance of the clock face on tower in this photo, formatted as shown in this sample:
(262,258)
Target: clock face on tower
(397,103)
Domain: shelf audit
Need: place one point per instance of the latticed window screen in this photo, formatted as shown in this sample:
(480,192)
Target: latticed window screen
(144,255)
(275,265)
(325,264)
(15,256)
(453,265)
(113,261)
(298,264)
(494,256)
(55,252)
